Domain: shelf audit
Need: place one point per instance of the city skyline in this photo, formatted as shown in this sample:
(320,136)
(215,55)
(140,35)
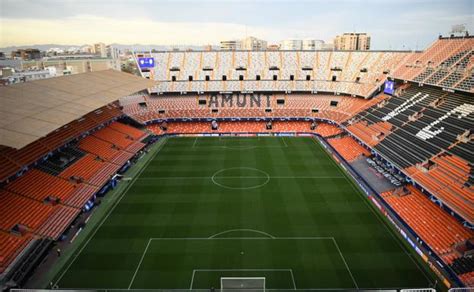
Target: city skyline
(391,25)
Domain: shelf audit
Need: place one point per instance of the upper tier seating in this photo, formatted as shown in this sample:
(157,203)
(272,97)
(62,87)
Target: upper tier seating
(448,63)
(357,73)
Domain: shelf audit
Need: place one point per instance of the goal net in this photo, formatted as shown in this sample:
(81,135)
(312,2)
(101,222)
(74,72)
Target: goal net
(231,284)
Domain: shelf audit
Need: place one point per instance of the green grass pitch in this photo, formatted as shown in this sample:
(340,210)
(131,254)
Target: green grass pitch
(273,207)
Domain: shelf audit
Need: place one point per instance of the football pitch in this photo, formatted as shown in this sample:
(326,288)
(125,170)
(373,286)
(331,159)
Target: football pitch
(210,207)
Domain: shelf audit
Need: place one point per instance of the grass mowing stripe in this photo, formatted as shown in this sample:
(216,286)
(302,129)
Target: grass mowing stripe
(110,211)
(124,253)
(375,212)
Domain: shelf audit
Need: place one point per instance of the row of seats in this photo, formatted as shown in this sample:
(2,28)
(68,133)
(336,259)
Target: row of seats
(447,62)
(331,107)
(371,134)
(10,246)
(446,177)
(423,126)
(348,148)
(44,204)
(357,73)
(434,226)
(323,129)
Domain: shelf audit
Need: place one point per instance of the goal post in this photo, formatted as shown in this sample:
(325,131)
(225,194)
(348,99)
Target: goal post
(230,284)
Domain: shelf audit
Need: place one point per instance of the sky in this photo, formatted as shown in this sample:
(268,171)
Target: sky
(396,24)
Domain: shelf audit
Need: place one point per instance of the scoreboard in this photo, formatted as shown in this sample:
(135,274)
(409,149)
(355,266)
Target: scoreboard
(146,62)
(389,87)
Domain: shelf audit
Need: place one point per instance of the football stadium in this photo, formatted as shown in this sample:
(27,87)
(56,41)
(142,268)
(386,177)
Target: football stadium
(248,170)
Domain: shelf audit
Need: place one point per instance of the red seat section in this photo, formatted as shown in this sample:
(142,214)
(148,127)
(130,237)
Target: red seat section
(128,130)
(328,130)
(323,129)
(330,107)
(17,209)
(39,185)
(58,221)
(10,247)
(116,138)
(84,168)
(446,178)
(348,148)
(435,227)
(370,134)
(99,147)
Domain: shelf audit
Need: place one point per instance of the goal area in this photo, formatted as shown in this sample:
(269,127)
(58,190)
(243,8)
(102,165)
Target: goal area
(231,284)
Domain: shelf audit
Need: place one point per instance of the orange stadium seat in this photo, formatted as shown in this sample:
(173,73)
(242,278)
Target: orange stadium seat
(348,148)
(437,228)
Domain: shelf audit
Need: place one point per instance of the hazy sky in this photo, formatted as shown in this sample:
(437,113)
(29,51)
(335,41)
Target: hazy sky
(394,24)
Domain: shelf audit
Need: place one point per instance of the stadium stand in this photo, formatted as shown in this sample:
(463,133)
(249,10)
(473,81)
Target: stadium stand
(10,246)
(437,228)
(446,63)
(425,126)
(355,73)
(329,107)
(322,129)
(348,148)
(44,200)
(15,160)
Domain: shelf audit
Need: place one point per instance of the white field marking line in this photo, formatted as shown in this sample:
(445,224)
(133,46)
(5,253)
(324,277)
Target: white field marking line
(237,177)
(195,140)
(213,237)
(267,178)
(284,141)
(345,263)
(243,238)
(404,249)
(293,278)
(242,229)
(290,271)
(110,211)
(139,264)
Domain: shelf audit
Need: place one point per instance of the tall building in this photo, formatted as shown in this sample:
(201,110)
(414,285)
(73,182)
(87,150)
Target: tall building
(291,45)
(253,44)
(231,45)
(312,45)
(26,54)
(100,49)
(352,42)
(113,52)
(305,45)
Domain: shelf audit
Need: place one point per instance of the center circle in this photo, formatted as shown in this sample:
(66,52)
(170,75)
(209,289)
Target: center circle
(240,178)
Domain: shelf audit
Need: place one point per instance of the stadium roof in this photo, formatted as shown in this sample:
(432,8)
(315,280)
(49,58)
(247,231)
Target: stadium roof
(33,109)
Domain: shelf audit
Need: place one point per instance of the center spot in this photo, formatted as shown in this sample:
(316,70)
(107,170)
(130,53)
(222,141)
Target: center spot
(240,178)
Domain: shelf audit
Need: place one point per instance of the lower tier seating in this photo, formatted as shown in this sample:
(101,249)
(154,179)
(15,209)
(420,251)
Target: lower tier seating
(10,246)
(435,227)
(43,203)
(446,176)
(348,148)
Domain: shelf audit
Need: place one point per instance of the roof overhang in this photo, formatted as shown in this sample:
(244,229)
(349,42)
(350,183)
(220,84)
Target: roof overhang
(33,109)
